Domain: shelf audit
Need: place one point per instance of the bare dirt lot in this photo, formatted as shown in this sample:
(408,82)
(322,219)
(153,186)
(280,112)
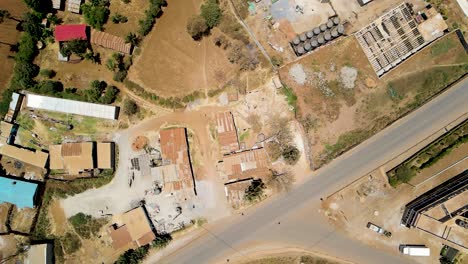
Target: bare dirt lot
(9,36)
(172,63)
(341,101)
(372,199)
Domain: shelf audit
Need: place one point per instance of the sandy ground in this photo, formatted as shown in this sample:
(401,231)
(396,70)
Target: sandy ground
(371,199)
(172,63)
(9,36)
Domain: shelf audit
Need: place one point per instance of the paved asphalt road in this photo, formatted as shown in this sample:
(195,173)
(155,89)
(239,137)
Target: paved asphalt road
(300,223)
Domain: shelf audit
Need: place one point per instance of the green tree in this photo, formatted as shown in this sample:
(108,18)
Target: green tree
(49,87)
(211,12)
(39,6)
(118,18)
(405,174)
(130,107)
(76,46)
(133,256)
(24,72)
(120,75)
(161,241)
(26,49)
(109,95)
(95,13)
(196,27)
(132,38)
(31,24)
(254,191)
(291,154)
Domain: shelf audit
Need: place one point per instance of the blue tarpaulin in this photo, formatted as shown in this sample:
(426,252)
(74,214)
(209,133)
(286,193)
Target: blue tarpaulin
(20,193)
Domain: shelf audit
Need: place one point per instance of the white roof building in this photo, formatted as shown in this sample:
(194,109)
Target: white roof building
(71,106)
(74,6)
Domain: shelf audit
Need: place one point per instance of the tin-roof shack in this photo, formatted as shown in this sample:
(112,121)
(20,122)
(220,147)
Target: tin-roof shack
(18,192)
(227,132)
(36,158)
(70,32)
(109,41)
(174,150)
(235,191)
(247,164)
(132,229)
(67,106)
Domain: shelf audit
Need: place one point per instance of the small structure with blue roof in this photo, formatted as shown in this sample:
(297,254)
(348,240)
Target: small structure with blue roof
(18,192)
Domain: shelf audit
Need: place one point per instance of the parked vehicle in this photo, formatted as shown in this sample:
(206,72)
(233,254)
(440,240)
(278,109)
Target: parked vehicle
(415,250)
(378,229)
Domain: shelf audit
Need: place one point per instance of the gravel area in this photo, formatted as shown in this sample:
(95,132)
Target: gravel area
(298,74)
(348,77)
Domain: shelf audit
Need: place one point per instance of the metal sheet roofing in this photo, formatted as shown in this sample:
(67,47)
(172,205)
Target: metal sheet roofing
(71,106)
(20,193)
(109,41)
(70,32)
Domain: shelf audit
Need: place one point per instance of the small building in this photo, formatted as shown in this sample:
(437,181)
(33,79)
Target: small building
(70,32)
(227,132)
(109,41)
(235,191)
(105,155)
(132,229)
(18,192)
(57,4)
(67,106)
(14,107)
(74,158)
(434,26)
(74,6)
(244,165)
(40,254)
(7,133)
(34,158)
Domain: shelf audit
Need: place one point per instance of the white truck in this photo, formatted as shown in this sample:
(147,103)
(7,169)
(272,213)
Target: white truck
(415,251)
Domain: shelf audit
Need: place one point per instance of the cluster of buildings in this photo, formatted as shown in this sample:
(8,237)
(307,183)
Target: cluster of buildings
(398,34)
(238,168)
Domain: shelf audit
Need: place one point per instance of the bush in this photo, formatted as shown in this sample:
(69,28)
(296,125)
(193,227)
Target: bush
(26,49)
(118,18)
(70,243)
(291,154)
(274,150)
(132,38)
(133,256)
(161,241)
(47,73)
(120,75)
(404,174)
(49,87)
(76,46)
(211,12)
(85,225)
(109,96)
(277,61)
(254,191)
(126,1)
(196,27)
(96,13)
(130,107)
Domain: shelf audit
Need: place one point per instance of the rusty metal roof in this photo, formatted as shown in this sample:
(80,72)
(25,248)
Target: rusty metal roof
(109,41)
(227,132)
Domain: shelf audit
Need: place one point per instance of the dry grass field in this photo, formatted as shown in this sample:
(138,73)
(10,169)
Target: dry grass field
(172,64)
(134,11)
(338,118)
(9,36)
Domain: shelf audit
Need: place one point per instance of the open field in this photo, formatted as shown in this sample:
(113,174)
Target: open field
(9,36)
(134,11)
(172,63)
(341,102)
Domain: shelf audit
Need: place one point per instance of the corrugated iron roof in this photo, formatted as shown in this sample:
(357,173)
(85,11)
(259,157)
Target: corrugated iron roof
(109,41)
(70,32)
(227,132)
(246,164)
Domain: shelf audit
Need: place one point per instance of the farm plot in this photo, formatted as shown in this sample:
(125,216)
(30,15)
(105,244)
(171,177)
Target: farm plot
(341,102)
(172,63)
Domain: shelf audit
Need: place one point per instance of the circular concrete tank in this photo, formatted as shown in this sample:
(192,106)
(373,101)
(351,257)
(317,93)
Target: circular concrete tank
(330,23)
(310,34)
(303,37)
(296,41)
(300,50)
(336,20)
(316,30)
(327,35)
(314,43)
(323,27)
(320,39)
(334,33)
(340,29)
(307,46)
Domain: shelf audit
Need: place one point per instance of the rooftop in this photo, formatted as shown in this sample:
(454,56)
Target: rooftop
(18,192)
(71,106)
(35,158)
(109,41)
(247,164)
(40,254)
(133,228)
(105,155)
(70,32)
(227,132)
(174,150)
(73,157)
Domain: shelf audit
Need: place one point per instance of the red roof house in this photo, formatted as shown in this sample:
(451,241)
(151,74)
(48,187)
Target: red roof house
(70,32)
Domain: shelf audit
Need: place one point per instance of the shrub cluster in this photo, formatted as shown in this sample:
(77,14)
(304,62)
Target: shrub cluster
(96,13)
